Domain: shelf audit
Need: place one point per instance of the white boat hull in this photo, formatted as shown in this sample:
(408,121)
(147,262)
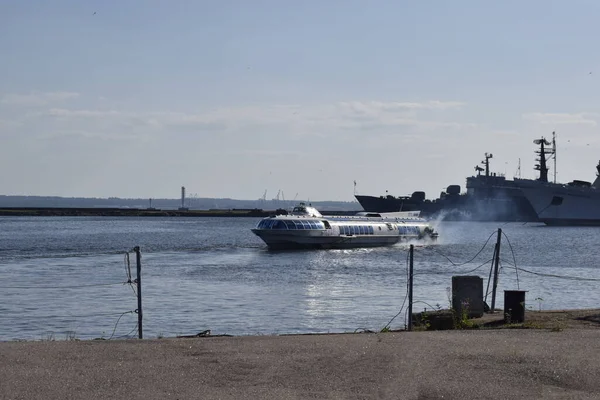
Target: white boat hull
(320,240)
(306,228)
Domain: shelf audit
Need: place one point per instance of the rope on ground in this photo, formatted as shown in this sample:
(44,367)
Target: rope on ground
(64,287)
(514,258)
(81,316)
(574,278)
(117,323)
(456,273)
(128,274)
(466,262)
(387,326)
(427,304)
(130,334)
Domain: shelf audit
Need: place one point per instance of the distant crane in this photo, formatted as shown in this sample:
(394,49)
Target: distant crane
(296,196)
(263,198)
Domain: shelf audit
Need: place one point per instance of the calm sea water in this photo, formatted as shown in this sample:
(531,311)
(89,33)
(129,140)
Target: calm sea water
(213,273)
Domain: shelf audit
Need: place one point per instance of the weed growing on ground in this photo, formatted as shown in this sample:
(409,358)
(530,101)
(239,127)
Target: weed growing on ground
(461,319)
(424,324)
(539,300)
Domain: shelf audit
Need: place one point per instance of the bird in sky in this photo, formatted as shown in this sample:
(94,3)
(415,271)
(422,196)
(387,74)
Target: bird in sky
(95,14)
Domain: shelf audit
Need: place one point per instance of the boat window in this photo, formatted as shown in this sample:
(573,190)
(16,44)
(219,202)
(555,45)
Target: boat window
(319,225)
(260,224)
(342,230)
(327,226)
(298,225)
(361,230)
(306,224)
(371,230)
(290,224)
(278,225)
(312,225)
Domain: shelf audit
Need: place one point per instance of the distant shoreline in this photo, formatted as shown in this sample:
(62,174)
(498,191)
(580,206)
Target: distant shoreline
(140,212)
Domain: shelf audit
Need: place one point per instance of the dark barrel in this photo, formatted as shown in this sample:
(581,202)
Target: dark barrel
(514,305)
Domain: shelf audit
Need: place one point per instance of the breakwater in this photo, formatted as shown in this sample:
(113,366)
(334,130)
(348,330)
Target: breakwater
(143,212)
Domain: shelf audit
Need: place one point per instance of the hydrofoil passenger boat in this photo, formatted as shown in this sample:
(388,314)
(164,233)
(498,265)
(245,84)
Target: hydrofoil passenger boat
(305,227)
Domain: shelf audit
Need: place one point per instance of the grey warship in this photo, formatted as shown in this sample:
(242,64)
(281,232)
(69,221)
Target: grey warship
(489,196)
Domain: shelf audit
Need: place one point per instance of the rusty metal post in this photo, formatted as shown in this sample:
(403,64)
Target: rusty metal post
(138,257)
(496,264)
(410,288)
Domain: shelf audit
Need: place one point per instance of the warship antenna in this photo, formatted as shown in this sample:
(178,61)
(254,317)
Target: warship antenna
(487,163)
(554,153)
(542,152)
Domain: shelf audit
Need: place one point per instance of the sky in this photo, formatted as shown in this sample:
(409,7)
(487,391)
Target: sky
(232,98)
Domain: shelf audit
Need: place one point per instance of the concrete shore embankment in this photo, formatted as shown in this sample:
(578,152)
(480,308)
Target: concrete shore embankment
(482,364)
(559,363)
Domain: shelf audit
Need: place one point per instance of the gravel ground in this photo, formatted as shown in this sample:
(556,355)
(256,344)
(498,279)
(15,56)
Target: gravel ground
(475,364)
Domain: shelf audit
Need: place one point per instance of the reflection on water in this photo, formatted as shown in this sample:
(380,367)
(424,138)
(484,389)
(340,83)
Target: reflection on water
(213,273)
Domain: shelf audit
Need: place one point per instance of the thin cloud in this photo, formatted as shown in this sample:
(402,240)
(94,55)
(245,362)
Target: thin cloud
(375,117)
(561,118)
(37,99)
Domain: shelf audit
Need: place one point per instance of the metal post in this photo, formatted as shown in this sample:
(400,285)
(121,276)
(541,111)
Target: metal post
(410,287)
(138,257)
(496,264)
